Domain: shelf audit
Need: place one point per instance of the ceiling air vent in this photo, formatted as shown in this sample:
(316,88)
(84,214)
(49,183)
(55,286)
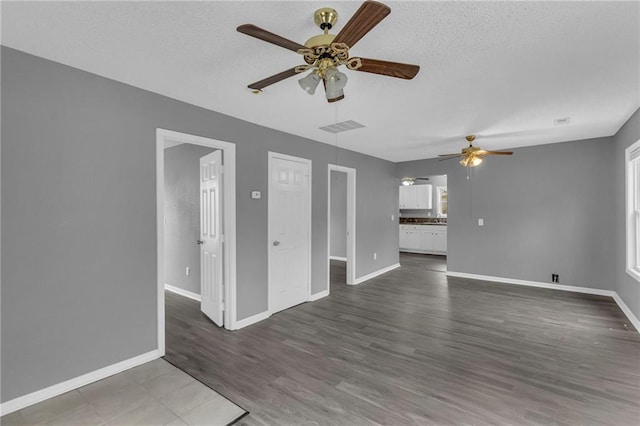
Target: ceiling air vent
(343,126)
(561,121)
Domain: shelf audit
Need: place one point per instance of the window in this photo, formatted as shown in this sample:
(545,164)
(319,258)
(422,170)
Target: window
(632,162)
(441,201)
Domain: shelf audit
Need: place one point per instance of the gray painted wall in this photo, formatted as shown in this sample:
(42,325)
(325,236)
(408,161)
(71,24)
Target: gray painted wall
(182,215)
(78,216)
(627,287)
(338,238)
(546,210)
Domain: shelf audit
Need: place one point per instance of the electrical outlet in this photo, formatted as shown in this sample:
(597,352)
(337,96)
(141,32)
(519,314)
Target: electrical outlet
(375,256)
(187,271)
(555,278)
(480,222)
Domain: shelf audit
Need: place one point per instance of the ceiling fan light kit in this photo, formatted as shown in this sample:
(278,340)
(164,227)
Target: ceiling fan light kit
(324,53)
(471,161)
(472,156)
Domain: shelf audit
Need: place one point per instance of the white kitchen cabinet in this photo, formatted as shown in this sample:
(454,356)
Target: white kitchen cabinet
(426,239)
(407,197)
(404,237)
(410,238)
(423,196)
(423,239)
(416,197)
(440,241)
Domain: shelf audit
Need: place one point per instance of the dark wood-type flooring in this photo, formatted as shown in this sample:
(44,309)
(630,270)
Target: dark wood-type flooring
(415,347)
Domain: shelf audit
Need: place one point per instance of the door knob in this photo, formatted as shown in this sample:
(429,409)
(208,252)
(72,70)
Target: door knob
(276,243)
(200,242)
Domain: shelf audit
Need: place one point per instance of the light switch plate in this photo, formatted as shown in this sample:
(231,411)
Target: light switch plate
(480,222)
(256,195)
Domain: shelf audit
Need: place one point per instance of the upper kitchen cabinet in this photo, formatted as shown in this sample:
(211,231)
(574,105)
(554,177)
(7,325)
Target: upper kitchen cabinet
(416,197)
(407,197)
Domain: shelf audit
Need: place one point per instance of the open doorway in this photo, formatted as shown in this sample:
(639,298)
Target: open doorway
(196,225)
(182,218)
(423,221)
(341,228)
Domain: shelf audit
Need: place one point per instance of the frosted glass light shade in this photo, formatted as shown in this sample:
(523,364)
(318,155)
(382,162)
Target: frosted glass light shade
(310,82)
(471,161)
(335,81)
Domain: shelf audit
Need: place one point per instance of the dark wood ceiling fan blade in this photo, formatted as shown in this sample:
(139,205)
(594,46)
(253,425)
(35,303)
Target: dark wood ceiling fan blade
(259,85)
(269,37)
(498,153)
(370,14)
(391,69)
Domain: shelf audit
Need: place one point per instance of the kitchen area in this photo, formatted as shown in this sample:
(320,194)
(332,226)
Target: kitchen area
(423,215)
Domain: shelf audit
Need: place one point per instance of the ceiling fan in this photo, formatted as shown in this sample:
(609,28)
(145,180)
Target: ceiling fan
(324,53)
(472,156)
(408,181)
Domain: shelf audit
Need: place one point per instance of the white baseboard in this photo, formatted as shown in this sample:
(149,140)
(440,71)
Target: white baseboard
(540,284)
(75,383)
(318,296)
(181,292)
(375,274)
(252,320)
(587,290)
(342,259)
(623,306)
(266,314)
(438,253)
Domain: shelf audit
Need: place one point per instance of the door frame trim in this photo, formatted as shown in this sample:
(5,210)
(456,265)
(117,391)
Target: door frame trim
(166,138)
(351,222)
(271,155)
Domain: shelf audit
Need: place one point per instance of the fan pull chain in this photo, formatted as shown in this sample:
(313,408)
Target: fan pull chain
(335,121)
(470,193)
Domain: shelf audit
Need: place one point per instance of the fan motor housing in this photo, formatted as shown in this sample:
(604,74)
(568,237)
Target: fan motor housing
(320,40)
(470,150)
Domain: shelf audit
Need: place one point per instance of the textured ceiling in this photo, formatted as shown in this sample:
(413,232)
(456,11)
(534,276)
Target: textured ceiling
(501,70)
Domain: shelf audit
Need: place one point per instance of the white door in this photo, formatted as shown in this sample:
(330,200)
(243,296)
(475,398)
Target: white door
(289,231)
(211,274)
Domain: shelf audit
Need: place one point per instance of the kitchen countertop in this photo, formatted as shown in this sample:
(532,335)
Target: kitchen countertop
(423,221)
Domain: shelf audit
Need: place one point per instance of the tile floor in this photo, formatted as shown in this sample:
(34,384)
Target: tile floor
(155,393)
